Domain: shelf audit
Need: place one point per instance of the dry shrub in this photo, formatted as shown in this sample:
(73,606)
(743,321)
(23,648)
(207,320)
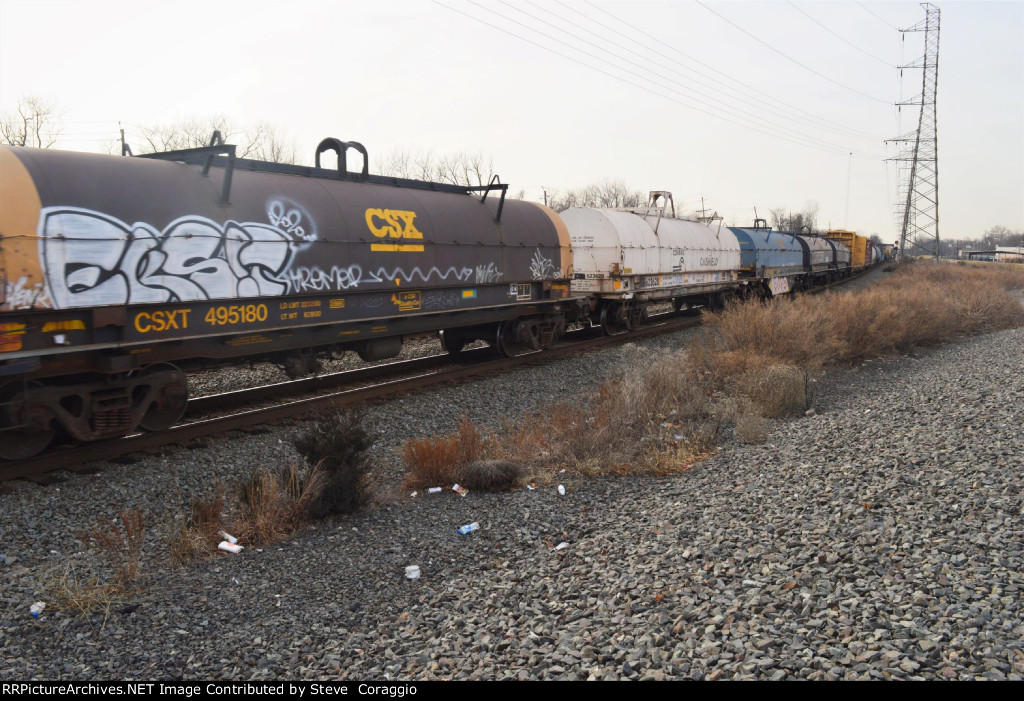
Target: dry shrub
(751,428)
(794,330)
(491,475)
(67,590)
(437,461)
(338,444)
(197,536)
(274,502)
(777,390)
(653,419)
(920,305)
(120,544)
(749,425)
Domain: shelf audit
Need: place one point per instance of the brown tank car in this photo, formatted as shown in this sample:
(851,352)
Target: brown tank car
(116,270)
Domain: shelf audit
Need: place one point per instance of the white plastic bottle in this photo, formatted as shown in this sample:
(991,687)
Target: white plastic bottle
(37,608)
(469,528)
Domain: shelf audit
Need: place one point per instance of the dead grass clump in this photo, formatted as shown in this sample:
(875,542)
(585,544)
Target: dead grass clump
(748,423)
(338,444)
(197,536)
(751,428)
(795,331)
(438,461)
(274,502)
(119,543)
(920,305)
(652,420)
(67,590)
(777,390)
(491,475)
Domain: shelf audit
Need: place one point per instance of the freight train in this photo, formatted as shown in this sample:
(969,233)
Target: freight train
(119,274)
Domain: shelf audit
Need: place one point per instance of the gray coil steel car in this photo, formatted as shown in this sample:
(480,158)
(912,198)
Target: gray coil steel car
(841,258)
(819,258)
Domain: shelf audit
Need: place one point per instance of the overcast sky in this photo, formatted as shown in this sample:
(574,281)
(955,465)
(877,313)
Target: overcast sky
(748,104)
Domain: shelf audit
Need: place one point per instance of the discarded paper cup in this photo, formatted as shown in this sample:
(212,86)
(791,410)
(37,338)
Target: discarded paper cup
(229,547)
(461,491)
(561,489)
(412,572)
(228,537)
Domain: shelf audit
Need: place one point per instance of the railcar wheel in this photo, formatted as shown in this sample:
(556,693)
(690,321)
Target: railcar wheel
(452,341)
(25,430)
(505,340)
(615,319)
(167,395)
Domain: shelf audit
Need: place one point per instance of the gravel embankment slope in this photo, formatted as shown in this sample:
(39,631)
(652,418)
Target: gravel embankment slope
(882,538)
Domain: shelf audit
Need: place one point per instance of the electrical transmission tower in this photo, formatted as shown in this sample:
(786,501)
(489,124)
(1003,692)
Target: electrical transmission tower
(918,210)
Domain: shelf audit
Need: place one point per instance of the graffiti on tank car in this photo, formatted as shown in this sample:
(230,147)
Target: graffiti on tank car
(445,299)
(542,268)
(399,275)
(394,224)
(91,258)
(291,218)
(317,279)
(22,295)
(487,273)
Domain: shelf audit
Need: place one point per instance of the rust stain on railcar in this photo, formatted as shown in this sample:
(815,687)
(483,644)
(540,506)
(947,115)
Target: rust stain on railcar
(19,240)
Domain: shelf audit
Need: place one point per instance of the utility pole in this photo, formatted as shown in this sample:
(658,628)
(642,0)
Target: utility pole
(919,208)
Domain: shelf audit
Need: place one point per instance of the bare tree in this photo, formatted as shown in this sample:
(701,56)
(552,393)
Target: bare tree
(608,193)
(461,168)
(261,141)
(784,220)
(1000,235)
(265,143)
(35,121)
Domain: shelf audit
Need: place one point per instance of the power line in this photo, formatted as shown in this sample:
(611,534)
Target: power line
(790,58)
(729,110)
(637,85)
(841,38)
(809,120)
(747,86)
(865,8)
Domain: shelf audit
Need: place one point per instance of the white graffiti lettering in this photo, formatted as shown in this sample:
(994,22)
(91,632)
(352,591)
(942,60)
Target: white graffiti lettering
(383,275)
(542,268)
(90,258)
(21,295)
(291,218)
(487,273)
(316,279)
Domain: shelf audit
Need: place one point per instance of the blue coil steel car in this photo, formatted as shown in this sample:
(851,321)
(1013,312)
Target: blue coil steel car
(772,262)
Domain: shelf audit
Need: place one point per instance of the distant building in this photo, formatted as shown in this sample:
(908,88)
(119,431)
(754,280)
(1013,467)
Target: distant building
(1001,254)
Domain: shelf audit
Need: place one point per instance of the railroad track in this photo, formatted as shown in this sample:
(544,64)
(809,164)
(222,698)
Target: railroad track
(415,374)
(334,390)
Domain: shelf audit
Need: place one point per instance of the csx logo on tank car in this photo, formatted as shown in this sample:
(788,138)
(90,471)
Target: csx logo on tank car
(393,224)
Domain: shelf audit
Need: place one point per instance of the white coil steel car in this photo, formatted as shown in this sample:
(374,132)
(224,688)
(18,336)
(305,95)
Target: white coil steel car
(625,258)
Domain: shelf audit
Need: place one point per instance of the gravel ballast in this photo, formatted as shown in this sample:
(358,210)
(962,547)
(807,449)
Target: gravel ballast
(880,538)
